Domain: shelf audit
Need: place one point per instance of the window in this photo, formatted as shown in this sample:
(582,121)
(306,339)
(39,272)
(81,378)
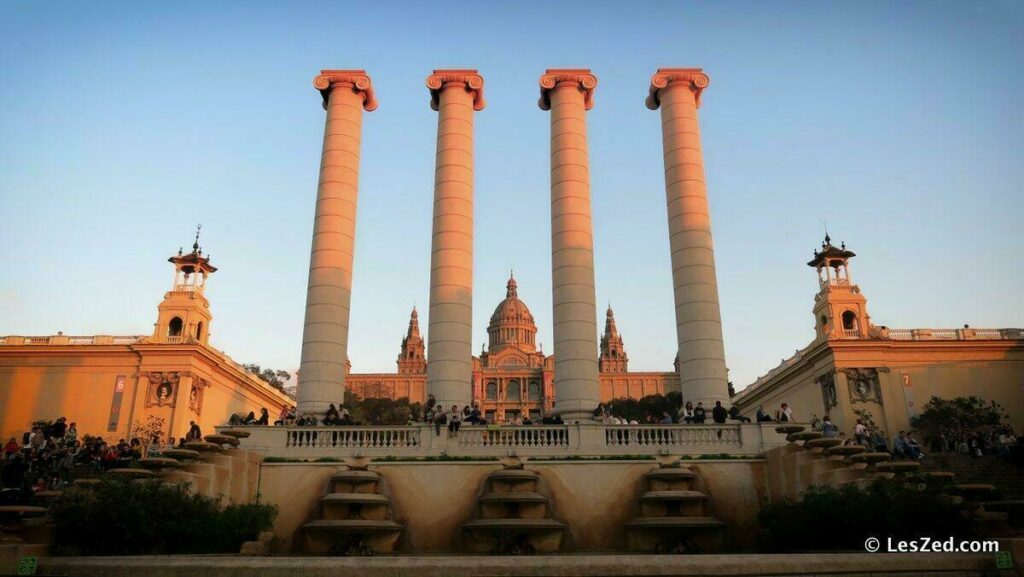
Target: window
(849,321)
(824,321)
(174,327)
(512,391)
(492,391)
(535,390)
(199,331)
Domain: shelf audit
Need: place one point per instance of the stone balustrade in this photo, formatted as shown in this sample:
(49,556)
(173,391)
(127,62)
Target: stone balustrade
(584,439)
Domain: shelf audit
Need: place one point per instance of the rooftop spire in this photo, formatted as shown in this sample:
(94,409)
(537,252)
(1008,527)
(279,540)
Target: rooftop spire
(195,245)
(511,292)
(414,323)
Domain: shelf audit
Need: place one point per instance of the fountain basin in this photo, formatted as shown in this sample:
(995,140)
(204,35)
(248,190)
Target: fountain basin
(355,482)
(515,505)
(845,450)
(674,534)
(336,535)
(790,429)
(528,535)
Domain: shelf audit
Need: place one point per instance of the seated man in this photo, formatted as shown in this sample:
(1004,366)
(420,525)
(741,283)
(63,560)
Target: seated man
(734,414)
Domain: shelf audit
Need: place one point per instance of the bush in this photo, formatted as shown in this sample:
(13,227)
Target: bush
(830,518)
(121,517)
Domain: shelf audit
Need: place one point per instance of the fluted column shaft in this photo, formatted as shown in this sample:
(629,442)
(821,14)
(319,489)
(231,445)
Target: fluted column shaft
(568,94)
(698,318)
(329,289)
(455,94)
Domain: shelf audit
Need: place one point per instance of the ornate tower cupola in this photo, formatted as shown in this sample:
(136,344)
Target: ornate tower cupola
(413,358)
(840,310)
(512,323)
(184,315)
(613,353)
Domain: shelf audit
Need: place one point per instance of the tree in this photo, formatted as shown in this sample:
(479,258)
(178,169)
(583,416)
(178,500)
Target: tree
(651,407)
(381,411)
(960,418)
(144,432)
(275,379)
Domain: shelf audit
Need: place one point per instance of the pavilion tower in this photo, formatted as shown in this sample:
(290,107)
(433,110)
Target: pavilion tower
(184,314)
(346,94)
(613,353)
(701,353)
(413,358)
(840,309)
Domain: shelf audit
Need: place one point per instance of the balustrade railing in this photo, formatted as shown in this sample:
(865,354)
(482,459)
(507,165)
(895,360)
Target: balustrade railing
(534,441)
(673,435)
(354,437)
(506,437)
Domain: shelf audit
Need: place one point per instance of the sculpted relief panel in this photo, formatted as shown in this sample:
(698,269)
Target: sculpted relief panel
(864,385)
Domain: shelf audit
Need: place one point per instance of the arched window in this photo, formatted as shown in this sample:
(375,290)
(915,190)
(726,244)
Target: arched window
(824,321)
(534,391)
(199,331)
(492,391)
(174,327)
(512,391)
(849,320)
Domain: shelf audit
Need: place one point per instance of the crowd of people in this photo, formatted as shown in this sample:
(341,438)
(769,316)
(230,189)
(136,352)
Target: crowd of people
(45,456)
(1000,441)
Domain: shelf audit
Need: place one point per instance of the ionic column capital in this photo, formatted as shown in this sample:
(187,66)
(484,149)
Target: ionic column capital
(469,80)
(580,78)
(694,78)
(356,80)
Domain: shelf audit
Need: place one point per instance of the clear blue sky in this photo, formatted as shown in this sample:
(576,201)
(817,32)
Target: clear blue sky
(123,124)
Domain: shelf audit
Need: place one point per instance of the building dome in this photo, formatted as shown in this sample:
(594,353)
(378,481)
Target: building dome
(512,323)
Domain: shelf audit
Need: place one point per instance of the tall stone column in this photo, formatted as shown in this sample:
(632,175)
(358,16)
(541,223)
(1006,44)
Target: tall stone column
(568,94)
(702,371)
(346,94)
(454,94)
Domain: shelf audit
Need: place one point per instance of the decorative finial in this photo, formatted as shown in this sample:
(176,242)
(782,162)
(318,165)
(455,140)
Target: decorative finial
(195,245)
(180,251)
(842,245)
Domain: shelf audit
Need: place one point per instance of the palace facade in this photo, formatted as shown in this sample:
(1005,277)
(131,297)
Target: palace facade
(854,366)
(512,375)
(108,385)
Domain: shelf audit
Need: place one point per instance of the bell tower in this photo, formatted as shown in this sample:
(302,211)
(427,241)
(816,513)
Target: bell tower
(412,359)
(184,314)
(840,310)
(613,352)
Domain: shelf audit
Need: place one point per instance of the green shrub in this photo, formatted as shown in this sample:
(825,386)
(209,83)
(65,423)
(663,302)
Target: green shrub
(121,517)
(830,518)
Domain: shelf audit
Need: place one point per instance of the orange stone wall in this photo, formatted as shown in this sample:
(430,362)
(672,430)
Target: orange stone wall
(79,381)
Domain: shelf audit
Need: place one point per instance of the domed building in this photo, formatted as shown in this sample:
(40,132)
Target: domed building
(512,375)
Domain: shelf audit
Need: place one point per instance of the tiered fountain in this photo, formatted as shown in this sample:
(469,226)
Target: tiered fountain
(674,516)
(513,515)
(355,515)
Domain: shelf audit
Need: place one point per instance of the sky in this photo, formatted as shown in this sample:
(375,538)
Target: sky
(124,124)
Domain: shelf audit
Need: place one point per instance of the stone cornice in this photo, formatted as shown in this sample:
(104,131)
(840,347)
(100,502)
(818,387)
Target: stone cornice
(356,80)
(470,80)
(584,80)
(692,77)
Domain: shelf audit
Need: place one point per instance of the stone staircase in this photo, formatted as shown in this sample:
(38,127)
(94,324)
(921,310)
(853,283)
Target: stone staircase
(213,467)
(989,469)
(810,460)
